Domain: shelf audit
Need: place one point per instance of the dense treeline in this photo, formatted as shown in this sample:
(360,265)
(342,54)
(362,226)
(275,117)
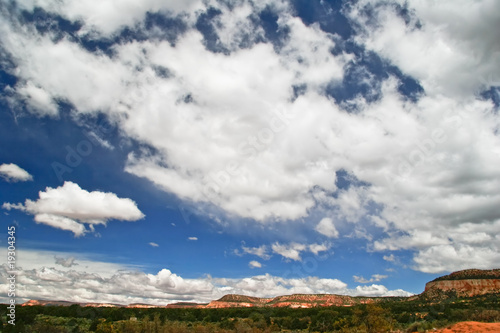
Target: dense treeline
(406,316)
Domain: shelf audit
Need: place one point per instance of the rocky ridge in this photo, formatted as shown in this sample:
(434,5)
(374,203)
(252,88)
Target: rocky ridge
(294,301)
(466,283)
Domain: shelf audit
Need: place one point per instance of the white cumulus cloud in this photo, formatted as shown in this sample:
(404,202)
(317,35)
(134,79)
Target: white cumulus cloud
(260,251)
(451,47)
(293,250)
(327,227)
(13,173)
(374,278)
(254,264)
(70,207)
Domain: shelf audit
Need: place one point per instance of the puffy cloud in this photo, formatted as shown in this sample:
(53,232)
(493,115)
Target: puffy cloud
(374,278)
(271,286)
(69,207)
(38,100)
(442,249)
(448,49)
(327,228)
(237,114)
(110,16)
(317,248)
(243,150)
(193,238)
(153,244)
(293,250)
(376,290)
(13,173)
(260,251)
(451,257)
(390,258)
(254,264)
(289,251)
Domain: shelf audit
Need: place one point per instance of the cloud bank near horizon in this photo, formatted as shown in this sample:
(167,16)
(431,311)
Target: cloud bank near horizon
(43,276)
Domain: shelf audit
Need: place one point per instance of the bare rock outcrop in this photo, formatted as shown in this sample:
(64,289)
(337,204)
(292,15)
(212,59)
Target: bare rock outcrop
(291,301)
(466,283)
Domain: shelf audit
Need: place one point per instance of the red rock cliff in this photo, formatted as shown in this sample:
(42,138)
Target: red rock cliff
(465,288)
(466,283)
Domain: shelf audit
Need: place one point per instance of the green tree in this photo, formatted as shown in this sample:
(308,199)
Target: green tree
(372,319)
(323,321)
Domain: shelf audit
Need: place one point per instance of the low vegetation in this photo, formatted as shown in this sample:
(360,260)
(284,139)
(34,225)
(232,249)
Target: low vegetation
(393,315)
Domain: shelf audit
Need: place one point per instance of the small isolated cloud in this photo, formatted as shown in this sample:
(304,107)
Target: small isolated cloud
(65,262)
(193,238)
(153,244)
(327,228)
(100,141)
(260,251)
(390,258)
(293,250)
(69,207)
(317,248)
(374,278)
(13,173)
(290,251)
(254,264)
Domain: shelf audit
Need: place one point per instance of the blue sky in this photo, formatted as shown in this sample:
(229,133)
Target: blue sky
(160,151)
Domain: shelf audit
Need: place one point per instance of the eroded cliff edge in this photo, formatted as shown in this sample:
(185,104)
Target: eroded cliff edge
(466,283)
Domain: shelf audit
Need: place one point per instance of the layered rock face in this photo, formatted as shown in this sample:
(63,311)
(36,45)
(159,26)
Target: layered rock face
(291,301)
(231,301)
(467,283)
(465,288)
